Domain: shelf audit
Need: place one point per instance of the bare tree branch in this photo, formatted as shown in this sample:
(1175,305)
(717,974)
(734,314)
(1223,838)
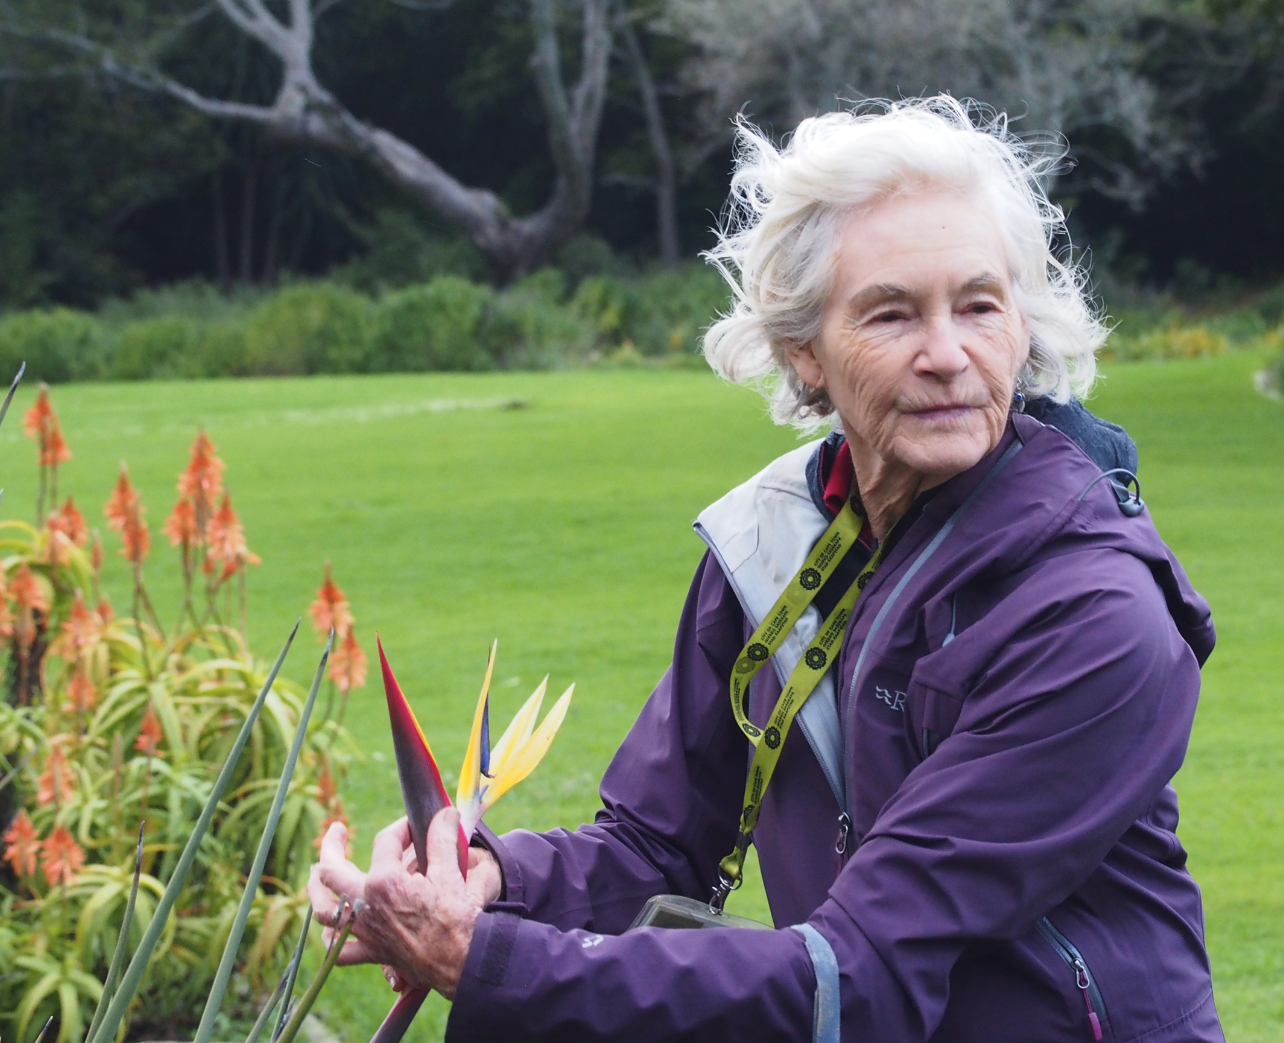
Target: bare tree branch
(305,111)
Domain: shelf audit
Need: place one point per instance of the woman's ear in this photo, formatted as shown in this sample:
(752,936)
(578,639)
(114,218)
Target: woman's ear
(803,358)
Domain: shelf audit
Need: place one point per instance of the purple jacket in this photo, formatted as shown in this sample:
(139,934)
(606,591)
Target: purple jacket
(1010,730)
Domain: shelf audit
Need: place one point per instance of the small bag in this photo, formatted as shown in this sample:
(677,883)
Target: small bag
(675,911)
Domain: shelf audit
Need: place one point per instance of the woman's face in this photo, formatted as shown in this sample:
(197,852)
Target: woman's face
(921,340)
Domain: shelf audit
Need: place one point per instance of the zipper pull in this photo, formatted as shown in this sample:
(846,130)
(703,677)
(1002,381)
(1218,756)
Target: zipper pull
(844,831)
(1083,981)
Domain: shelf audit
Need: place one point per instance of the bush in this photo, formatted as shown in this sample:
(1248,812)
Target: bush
(446,323)
(436,326)
(163,347)
(58,345)
(530,327)
(1170,342)
(663,313)
(309,328)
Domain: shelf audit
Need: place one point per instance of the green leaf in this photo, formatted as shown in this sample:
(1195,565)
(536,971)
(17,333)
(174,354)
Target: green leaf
(133,975)
(118,957)
(215,1000)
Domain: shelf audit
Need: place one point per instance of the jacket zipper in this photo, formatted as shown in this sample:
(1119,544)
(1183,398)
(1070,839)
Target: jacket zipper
(1082,976)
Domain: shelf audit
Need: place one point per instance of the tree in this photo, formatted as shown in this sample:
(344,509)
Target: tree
(666,176)
(304,111)
(1065,67)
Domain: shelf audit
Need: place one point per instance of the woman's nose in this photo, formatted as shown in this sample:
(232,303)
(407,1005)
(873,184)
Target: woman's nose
(941,353)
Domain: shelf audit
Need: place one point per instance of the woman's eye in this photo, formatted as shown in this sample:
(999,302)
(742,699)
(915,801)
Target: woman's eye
(889,316)
(982,307)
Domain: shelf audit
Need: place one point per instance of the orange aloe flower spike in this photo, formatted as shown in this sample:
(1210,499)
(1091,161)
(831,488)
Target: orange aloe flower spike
(70,522)
(36,419)
(56,784)
(81,631)
(149,734)
(22,845)
(330,610)
(226,538)
(55,451)
(348,664)
(81,691)
(180,526)
(202,480)
(60,856)
(123,502)
(26,591)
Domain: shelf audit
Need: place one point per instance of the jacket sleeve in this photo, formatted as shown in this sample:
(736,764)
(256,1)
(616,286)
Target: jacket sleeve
(1040,778)
(671,797)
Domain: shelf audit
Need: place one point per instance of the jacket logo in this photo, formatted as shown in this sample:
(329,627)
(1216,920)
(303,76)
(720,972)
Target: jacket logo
(896,700)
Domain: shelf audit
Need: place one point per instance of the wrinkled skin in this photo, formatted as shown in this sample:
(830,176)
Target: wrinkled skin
(919,352)
(418,926)
(920,345)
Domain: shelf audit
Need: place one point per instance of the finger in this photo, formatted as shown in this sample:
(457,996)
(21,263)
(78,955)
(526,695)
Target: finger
(389,844)
(324,901)
(343,879)
(443,847)
(393,979)
(484,880)
(334,844)
(356,951)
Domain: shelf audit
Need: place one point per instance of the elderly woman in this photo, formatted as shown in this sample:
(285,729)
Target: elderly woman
(952,656)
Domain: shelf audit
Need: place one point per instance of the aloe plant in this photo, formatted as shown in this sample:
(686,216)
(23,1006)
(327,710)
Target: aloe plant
(112,720)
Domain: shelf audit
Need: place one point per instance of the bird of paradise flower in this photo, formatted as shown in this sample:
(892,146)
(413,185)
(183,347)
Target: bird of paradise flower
(487,774)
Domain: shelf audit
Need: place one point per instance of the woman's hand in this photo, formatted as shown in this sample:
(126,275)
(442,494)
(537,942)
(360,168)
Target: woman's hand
(418,926)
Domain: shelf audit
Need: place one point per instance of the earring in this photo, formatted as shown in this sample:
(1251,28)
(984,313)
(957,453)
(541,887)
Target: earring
(1018,395)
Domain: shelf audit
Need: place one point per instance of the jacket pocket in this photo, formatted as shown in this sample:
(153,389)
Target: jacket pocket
(933,713)
(1098,1020)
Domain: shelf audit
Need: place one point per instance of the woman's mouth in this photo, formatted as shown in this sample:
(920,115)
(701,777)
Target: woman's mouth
(942,413)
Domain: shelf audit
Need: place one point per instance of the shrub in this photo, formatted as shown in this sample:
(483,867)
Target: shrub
(531,328)
(169,346)
(109,721)
(58,345)
(309,328)
(437,326)
(675,308)
(663,313)
(1174,341)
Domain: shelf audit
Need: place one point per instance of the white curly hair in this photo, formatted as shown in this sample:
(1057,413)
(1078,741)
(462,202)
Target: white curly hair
(776,242)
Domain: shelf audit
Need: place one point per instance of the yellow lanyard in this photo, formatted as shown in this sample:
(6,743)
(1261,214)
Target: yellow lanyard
(766,640)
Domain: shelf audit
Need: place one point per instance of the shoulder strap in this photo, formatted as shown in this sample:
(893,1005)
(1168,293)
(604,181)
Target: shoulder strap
(760,533)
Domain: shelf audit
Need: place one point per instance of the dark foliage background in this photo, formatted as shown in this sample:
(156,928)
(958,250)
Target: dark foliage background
(104,189)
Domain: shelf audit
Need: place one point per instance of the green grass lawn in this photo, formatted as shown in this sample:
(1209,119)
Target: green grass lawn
(563,529)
